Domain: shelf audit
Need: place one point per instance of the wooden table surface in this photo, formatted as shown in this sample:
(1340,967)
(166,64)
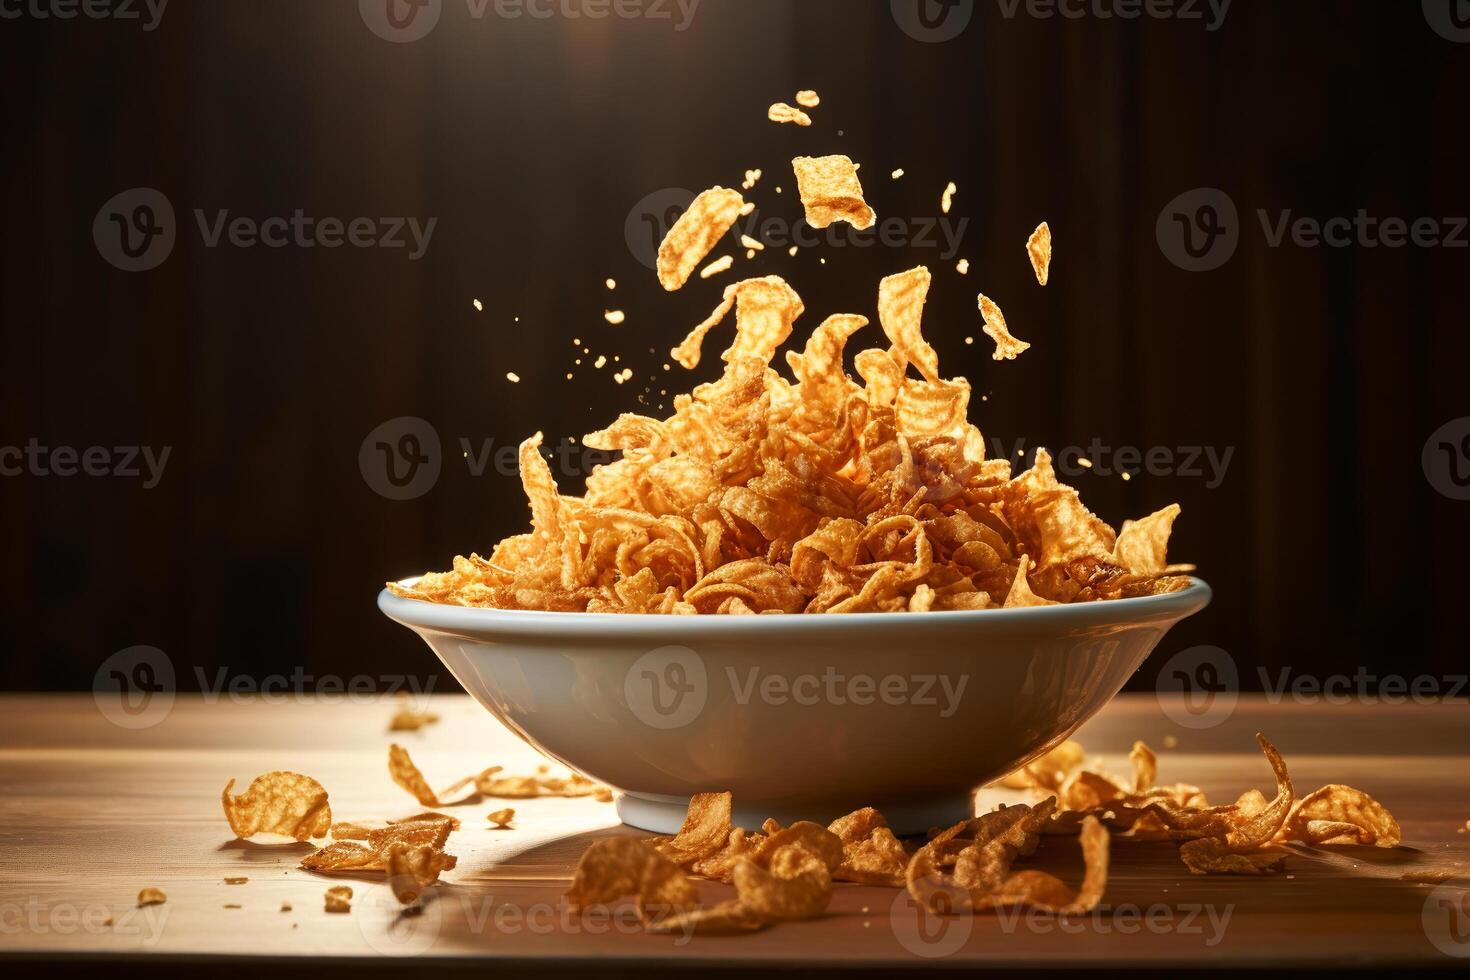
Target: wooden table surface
(90,813)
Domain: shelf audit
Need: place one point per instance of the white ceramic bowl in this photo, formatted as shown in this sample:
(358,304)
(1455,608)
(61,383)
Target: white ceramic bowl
(801,717)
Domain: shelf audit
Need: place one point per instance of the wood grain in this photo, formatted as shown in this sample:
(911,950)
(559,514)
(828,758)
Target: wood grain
(90,814)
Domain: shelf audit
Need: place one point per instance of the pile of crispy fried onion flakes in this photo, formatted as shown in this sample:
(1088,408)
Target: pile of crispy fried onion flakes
(818,494)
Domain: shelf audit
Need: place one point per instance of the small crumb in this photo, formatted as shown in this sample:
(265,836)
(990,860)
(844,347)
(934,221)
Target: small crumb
(569,375)
(512,377)
(409,720)
(969,340)
(1086,463)
(612,284)
(151,896)
(751,176)
(108,921)
(947,201)
(338,899)
(232,905)
(750,253)
(502,818)
(576,342)
(778,190)
(823,261)
(285,906)
(1170,741)
(518,319)
(716,267)
(614,317)
(747,209)
(479,306)
(963,267)
(751,243)
(236,881)
(780,112)
(897,173)
(1436,876)
(792,251)
(1127,476)
(601,361)
(808,99)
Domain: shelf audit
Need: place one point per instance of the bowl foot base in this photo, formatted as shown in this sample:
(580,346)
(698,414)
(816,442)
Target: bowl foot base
(665,814)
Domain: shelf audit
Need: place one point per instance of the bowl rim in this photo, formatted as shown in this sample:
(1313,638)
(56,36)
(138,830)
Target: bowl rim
(472,621)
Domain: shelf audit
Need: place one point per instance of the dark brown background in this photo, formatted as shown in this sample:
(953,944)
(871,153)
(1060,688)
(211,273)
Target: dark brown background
(530,140)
